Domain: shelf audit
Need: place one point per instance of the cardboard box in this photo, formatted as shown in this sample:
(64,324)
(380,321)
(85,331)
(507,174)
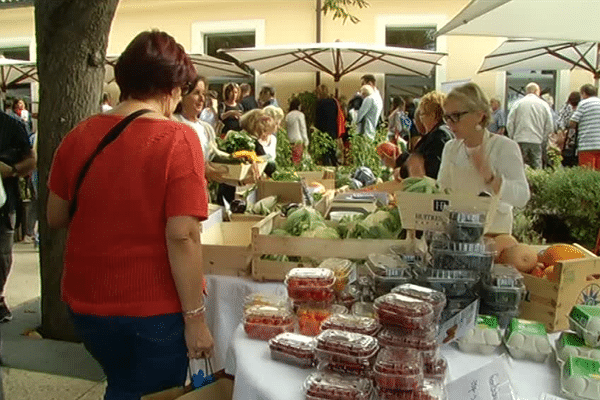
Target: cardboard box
(309,248)
(550,302)
(215,215)
(222,389)
(239,172)
(420,211)
(325,177)
(227,248)
(390,187)
(286,192)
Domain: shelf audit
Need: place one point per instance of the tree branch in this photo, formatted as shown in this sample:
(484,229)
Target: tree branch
(339,8)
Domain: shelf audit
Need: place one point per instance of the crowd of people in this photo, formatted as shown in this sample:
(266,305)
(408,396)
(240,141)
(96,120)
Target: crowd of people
(135,288)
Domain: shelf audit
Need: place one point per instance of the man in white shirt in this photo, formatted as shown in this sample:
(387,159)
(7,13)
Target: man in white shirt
(586,119)
(529,124)
(371,108)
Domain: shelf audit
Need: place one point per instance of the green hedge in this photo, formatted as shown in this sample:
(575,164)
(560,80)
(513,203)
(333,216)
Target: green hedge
(565,202)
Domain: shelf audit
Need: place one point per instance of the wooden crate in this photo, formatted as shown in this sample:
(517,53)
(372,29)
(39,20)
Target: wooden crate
(286,192)
(239,172)
(313,248)
(325,177)
(550,302)
(420,211)
(390,187)
(227,248)
(215,215)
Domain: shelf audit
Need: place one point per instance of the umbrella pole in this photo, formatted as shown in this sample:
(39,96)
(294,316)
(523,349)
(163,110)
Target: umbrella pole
(597,71)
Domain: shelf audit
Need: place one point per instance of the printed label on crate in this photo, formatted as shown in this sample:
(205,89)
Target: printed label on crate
(490,382)
(427,211)
(458,325)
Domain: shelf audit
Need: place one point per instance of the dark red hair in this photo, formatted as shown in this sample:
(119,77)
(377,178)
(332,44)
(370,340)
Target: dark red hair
(153,64)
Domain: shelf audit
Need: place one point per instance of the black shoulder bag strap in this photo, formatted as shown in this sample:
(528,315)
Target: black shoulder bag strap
(106,140)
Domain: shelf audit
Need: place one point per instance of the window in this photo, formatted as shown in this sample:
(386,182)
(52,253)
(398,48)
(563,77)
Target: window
(228,40)
(16,53)
(405,85)
(517,80)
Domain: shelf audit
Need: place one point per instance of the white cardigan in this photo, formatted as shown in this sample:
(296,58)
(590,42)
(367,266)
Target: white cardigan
(458,174)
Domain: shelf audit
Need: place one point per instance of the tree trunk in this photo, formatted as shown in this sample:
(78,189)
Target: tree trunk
(72,36)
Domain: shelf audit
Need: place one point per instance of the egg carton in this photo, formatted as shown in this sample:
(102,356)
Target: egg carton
(578,378)
(484,338)
(503,314)
(527,340)
(585,320)
(571,344)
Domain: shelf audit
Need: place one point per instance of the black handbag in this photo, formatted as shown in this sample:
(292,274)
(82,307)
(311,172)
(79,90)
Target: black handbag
(569,151)
(106,140)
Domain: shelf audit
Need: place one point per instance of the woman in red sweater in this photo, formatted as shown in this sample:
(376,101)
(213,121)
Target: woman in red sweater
(132,266)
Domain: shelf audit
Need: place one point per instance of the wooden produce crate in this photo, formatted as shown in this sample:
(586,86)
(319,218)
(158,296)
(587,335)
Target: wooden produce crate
(325,177)
(313,248)
(390,187)
(286,192)
(550,302)
(421,211)
(227,248)
(215,215)
(239,172)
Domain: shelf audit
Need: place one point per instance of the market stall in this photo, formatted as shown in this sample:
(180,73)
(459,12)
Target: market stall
(225,307)
(257,376)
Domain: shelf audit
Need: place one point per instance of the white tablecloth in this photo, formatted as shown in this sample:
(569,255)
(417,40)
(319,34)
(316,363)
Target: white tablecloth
(258,377)
(225,307)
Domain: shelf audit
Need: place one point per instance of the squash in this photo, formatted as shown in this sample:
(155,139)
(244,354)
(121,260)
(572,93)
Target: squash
(521,256)
(503,242)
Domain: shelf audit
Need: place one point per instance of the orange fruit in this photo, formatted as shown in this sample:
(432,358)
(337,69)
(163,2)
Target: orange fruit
(550,274)
(537,271)
(559,252)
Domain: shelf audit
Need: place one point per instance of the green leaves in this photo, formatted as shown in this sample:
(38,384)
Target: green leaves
(571,194)
(320,144)
(339,8)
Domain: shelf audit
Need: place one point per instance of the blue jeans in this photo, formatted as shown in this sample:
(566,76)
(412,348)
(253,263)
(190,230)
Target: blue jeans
(139,355)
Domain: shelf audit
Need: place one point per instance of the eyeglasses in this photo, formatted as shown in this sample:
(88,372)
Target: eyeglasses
(454,117)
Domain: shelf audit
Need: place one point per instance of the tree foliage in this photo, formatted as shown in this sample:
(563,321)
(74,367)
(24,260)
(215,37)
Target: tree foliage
(565,197)
(339,8)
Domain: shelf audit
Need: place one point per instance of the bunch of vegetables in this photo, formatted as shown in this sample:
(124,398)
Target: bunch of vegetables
(283,159)
(382,224)
(306,222)
(264,206)
(320,145)
(236,141)
(420,185)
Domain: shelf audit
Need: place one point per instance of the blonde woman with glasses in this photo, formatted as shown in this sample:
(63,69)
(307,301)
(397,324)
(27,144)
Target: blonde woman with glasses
(478,161)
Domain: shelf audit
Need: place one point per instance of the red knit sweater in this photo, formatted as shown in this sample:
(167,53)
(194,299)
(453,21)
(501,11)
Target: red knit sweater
(116,260)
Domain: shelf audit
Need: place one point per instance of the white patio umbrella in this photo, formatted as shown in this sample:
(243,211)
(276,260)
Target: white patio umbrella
(542,54)
(206,65)
(14,72)
(337,59)
(565,20)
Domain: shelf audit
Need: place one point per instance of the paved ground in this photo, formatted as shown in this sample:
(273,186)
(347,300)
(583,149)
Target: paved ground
(36,368)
